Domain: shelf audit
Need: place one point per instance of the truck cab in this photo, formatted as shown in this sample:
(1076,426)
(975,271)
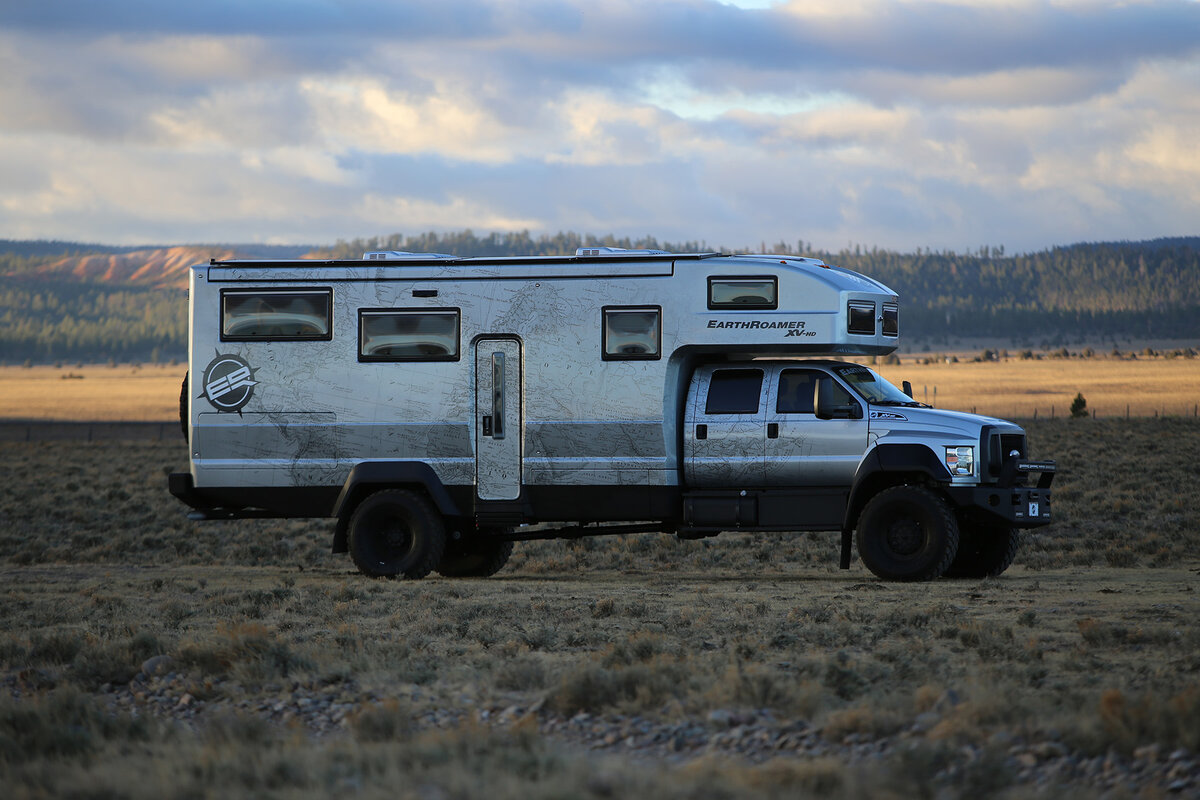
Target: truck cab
(827,445)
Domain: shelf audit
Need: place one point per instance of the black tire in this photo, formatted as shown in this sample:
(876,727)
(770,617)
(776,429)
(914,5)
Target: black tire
(474,557)
(183,407)
(907,533)
(985,549)
(396,532)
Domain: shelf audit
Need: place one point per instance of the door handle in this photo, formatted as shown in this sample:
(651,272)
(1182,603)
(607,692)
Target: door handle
(701,431)
(772,430)
(487,425)
(498,395)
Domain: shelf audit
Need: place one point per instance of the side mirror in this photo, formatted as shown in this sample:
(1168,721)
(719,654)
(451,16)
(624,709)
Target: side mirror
(826,402)
(907,387)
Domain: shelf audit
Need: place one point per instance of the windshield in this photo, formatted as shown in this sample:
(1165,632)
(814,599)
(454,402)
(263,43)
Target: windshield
(873,388)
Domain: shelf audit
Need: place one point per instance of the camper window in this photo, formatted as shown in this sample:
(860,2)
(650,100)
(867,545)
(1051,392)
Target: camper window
(632,333)
(860,317)
(734,391)
(408,335)
(891,319)
(300,315)
(742,293)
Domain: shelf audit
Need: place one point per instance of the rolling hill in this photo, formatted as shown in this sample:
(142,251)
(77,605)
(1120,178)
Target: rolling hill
(62,300)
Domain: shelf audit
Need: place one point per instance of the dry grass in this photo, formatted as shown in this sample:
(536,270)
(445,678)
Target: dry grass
(1013,388)
(851,656)
(1020,388)
(1088,642)
(95,393)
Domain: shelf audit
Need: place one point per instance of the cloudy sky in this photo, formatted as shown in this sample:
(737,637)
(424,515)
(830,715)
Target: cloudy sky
(893,123)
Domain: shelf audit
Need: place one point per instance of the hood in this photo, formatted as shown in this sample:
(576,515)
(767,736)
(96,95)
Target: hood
(934,422)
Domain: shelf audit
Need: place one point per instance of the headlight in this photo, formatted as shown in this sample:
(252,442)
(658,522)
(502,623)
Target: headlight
(960,460)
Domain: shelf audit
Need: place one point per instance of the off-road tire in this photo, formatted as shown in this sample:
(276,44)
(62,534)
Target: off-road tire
(183,407)
(907,533)
(396,533)
(985,549)
(474,557)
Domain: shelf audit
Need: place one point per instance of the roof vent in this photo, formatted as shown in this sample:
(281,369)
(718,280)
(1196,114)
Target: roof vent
(396,255)
(618,251)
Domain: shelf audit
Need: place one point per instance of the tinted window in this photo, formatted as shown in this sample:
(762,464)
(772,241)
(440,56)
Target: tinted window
(282,315)
(744,293)
(408,335)
(891,319)
(860,318)
(734,391)
(797,390)
(631,333)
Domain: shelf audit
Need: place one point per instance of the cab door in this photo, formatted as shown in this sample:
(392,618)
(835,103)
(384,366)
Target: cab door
(725,438)
(803,449)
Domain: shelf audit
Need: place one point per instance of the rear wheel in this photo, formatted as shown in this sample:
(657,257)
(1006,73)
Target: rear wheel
(474,557)
(396,532)
(985,549)
(907,533)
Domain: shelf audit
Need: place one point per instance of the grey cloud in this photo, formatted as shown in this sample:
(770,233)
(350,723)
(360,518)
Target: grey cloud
(267,18)
(897,51)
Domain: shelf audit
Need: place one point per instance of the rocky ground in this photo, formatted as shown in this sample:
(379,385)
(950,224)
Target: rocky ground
(750,736)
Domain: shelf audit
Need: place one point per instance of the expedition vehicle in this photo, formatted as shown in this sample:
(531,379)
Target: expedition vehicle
(441,408)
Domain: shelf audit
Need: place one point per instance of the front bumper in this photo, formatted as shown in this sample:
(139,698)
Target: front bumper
(1019,506)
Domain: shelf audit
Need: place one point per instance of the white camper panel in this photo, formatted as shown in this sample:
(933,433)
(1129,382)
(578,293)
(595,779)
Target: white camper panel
(395,360)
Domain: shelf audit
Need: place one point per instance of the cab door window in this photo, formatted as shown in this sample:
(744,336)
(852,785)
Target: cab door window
(734,391)
(797,390)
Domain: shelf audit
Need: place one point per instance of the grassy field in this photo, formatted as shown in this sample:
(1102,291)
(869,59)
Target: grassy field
(91,392)
(1013,388)
(142,654)
(1022,388)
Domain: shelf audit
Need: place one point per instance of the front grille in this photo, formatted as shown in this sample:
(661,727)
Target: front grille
(999,445)
(1010,442)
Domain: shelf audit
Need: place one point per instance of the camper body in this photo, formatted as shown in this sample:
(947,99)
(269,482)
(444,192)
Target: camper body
(440,408)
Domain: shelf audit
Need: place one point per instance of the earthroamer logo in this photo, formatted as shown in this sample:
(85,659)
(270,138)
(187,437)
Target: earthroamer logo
(790,327)
(228,383)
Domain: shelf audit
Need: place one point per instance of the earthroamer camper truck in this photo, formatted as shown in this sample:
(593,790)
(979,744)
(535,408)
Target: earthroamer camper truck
(441,408)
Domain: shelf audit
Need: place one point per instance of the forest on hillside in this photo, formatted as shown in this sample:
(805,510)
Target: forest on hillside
(1086,292)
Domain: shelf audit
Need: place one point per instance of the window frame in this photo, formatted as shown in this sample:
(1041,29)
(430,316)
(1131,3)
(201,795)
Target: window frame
(327,291)
(714,306)
(383,359)
(607,356)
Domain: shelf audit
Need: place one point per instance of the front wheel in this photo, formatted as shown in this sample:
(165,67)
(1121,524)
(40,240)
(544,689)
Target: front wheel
(985,549)
(396,532)
(907,533)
